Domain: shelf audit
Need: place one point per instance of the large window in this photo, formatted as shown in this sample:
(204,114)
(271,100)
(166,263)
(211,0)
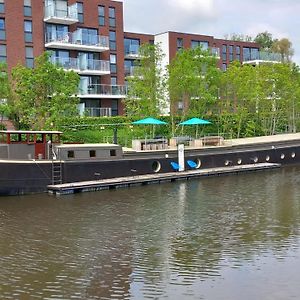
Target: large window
(2,29)
(202,44)
(224,52)
(246,53)
(112,17)
(238,53)
(114,109)
(28,31)
(131,46)
(254,53)
(80,12)
(231,53)
(112,40)
(1,6)
(27,8)
(101,15)
(179,44)
(29,57)
(3,53)
(113,63)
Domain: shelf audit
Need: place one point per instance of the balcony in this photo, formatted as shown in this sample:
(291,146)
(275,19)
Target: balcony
(82,65)
(98,111)
(96,91)
(132,52)
(57,14)
(131,71)
(262,57)
(76,40)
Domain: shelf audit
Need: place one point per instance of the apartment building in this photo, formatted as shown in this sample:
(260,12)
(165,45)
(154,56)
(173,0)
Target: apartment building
(88,36)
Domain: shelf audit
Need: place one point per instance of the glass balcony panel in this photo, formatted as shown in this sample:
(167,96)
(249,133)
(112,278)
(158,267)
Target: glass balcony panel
(74,40)
(102,90)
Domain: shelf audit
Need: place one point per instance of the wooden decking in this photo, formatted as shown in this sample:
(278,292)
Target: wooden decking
(121,182)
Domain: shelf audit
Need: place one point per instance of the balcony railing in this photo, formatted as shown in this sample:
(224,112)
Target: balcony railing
(102,91)
(76,40)
(131,71)
(67,16)
(263,57)
(98,111)
(82,66)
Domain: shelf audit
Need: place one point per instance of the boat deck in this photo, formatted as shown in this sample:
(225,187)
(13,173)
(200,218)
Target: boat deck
(121,182)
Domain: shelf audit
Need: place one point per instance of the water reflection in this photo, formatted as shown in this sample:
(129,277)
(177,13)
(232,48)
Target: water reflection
(230,237)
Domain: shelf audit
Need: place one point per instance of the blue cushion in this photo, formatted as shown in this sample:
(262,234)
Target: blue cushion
(192,164)
(175,165)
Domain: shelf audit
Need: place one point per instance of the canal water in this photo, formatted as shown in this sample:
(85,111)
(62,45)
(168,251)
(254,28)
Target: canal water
(232,237)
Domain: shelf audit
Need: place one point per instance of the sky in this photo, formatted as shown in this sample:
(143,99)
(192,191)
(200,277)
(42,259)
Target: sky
(216,17)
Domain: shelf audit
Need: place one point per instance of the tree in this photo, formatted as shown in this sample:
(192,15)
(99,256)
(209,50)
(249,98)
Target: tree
(265,40)
(43,96)
(5,92)
(284,48)
(239,37)
(145,87)
(193,81)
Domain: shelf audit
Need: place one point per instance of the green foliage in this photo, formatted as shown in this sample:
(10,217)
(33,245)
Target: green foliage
(145,87)
(193,81)
(265,40)
(45,95)
(284,48)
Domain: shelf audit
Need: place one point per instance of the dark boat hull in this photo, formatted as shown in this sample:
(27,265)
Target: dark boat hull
(19,178)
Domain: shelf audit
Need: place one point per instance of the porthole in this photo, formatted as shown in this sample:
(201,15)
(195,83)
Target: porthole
(293,155)
(255,159)
(156,166)
(268,158)
(239,161)
(227,162)
(199,163)
(282,156)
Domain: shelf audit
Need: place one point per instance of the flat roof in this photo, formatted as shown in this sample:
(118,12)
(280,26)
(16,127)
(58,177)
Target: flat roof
(98,145)
(30,131)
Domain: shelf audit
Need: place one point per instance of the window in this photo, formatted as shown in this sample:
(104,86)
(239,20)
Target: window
(89,36)
(238,53)
(131,46)
(224,52)
(128,64)
(114,111)
(231,53)
(246,54)
(112,17)
(29,57)
(28,31)
(112,40)
(203,45)
(71,154)
(1,6)
(113,80)
(92,153)
(224,67)
(80,12)
(3,53)
(101,15)
(27,8)
(254,53)
(113,63)
(2,29)
(179,44)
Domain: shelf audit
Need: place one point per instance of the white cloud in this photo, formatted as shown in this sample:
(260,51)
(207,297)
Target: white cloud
(216,17)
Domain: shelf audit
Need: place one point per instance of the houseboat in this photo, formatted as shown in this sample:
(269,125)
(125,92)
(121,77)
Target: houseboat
(32,160)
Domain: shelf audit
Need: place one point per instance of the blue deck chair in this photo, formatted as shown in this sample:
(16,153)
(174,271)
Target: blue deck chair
(191,164)
(174,165)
